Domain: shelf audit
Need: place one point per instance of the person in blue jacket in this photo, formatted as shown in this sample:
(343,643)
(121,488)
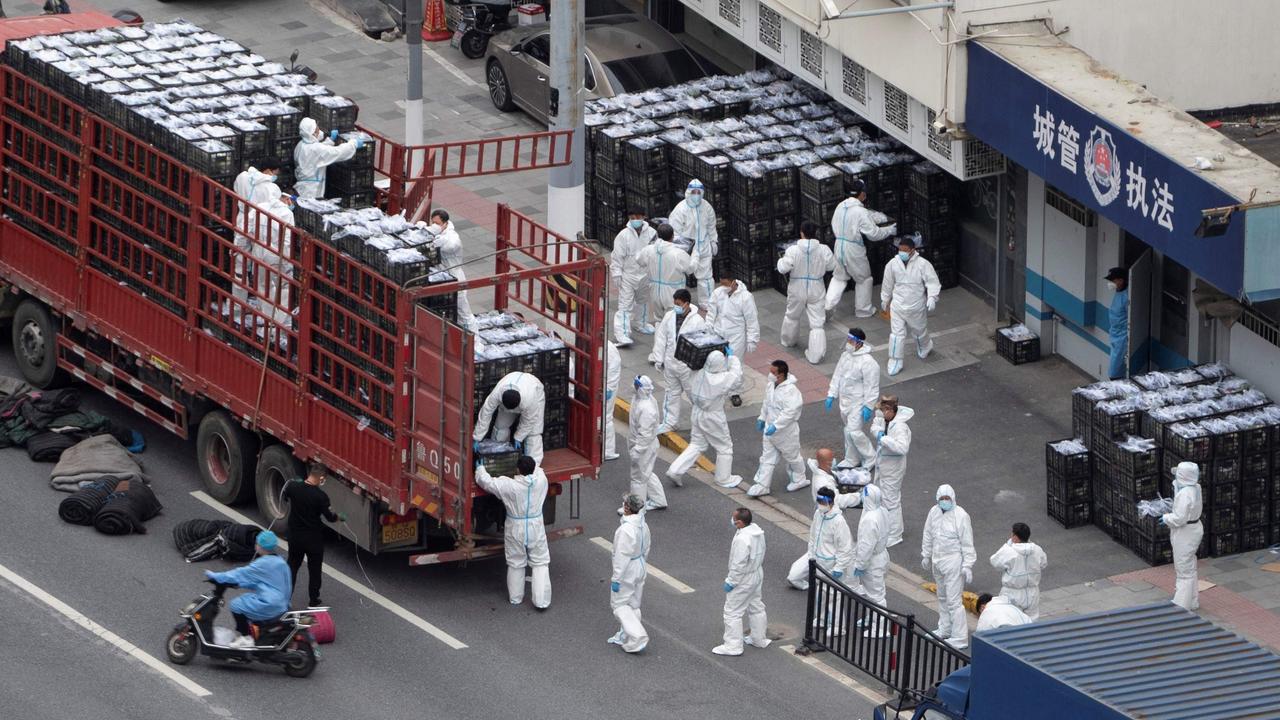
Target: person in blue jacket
(1118,318)
(270,584)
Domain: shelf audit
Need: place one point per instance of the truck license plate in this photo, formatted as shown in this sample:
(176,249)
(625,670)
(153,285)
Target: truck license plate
(402,532)
(456,40)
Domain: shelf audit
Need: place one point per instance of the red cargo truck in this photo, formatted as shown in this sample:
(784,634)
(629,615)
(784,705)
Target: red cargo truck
(122,272)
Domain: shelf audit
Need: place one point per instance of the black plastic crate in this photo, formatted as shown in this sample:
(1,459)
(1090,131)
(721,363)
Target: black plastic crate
(1195,448)
(212,157)
(650,205)
(1132,489)
(936,233)
(750,188)
(749,209)
(555,437)
(642,155)
(1069,515)
(1256,464)
(556,412)
(1225,444)
(1256,440)
(1256,489)
(1153,549)
(756,232)
(1131,462)
(341,117)
(693,356)
(1068,490)
(650,182)
(783,180)
(359,199)
(553,364)
(1105,520)
(750,255)
(1223,543)
(925,178)
(1114,426)
(824,189)
(783,204)
(612,194)
(1017,351)
(1075,465)
(930,209)
(610,171)
(344,179)
(714,170)
(755,278)
(784,227)
(1252,514)
(1222,494)
(1169,460)
(501,462)
(1220,519)
(889,178)
(1253,538)
(1226,470)
(818,212)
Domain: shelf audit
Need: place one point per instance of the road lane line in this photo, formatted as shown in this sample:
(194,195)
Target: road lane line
(655,572)
(452,69)
(836,675)
(120,643)
(377,597)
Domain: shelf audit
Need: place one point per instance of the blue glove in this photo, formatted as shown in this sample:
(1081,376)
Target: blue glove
(827,405)
(771,430)
(728,587)
(859,573)
(519,446)
(294,198)
(879,435)
(479,462)
(866,413)
(760,425)
(728,351)
(608,395)
(615,586)
(333,135)
(837,574)
(1161,519)
(208,574)
(475,445)
(359,143)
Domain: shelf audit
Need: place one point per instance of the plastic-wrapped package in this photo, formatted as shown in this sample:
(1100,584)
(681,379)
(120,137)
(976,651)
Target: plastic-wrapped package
(1017,332)
(402,255)
(1155,508)
(1073,446)
(1108,389)
(1134,443)
(494,319)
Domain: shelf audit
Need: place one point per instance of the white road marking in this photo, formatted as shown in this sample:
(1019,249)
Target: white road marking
(450,68)
(655,572)
(129,648)
(836,675)
(376,597)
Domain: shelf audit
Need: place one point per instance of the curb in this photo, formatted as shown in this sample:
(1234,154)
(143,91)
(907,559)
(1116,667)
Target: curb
(668,440)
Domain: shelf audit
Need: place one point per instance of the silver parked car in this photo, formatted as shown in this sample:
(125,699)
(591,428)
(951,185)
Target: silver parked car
(625,53)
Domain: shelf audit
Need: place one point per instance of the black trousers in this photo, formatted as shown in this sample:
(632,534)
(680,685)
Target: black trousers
(242,623)
(312,548)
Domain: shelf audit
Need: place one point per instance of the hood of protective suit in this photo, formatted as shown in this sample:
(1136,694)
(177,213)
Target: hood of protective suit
(872,498)
(751,530)
(716,362)
(1026,548)
(904,414)
(646,387)
(944,490)
(864,350)
(1186,473)
(791,380)
(307,128)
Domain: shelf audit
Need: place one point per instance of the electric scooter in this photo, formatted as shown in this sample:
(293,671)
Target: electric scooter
(285,641)
(479,22)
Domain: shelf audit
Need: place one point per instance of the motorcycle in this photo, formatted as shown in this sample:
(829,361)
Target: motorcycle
(480,21)
(285,641)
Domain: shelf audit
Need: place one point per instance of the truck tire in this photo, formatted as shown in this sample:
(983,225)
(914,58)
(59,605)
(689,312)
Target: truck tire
(226,454)
(35,344)
(276,466)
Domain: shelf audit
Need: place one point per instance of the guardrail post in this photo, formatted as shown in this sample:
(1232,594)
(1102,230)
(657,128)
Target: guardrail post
(906,644)
(810,642)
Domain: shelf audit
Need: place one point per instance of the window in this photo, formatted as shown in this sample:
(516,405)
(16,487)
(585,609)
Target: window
(649,71)
(731,10)
(539,48)
(811,51)
(896,107)
(855,80)
(770,28)
(1060,201)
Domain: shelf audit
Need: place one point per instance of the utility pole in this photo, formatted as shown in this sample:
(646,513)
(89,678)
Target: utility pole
(565,202)
(413,92)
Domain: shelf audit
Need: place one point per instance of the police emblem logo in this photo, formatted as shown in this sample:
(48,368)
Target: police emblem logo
(1101,166)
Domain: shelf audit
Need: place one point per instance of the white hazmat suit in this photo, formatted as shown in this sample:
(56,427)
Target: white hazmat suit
(733,316)
(529,412)
(448,242)
(255,187)
(830,545)
(909,292)
(666,265)
(612,376)
(272,254)
(947,550)
(781,413)
(871,554)
(1020,564)
(1185,533)
(743,592)
(807,263)
(694,218)
(630,558)
(1001,612)
(856,385)
(632,278)
(853,228)
(891,464)
(708,390)
(675,373)
(312,156)
(525,535)
(643,445)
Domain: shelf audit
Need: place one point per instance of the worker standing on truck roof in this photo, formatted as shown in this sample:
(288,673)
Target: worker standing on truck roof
(707,392)
(694,218)
(252,186)
(666,265)
(626,584)
(631,278)
(520,402)
(742,587)
(806,264)
(733,315)
(314,153)
(1021,562)
(525,537)
(1185,533)
(308,503)
(947,550)
(681,319)
(273,266)
(445,239)
(853,227)
(643,446)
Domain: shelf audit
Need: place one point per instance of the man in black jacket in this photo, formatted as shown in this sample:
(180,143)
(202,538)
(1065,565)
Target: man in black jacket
(307,505)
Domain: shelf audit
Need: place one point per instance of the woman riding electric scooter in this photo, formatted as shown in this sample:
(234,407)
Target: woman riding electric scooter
(270,585)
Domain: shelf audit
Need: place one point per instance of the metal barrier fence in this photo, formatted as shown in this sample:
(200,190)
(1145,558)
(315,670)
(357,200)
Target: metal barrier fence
(887,645)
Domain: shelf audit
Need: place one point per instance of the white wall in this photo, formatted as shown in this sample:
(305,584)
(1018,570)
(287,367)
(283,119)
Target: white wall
(1256,359)
(1197,55)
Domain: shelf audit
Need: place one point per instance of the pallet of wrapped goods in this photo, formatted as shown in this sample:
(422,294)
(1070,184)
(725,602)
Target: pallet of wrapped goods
(693,348)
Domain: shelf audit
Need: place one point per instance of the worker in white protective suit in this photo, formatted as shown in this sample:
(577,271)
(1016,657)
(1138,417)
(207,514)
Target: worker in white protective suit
(253,186)
(643,446)
(694,218)
(779,422)
(632,278)
(612,376)
(1020,563)
(893,442)
(519,400)
(1185,533)
(909,293)
(806,263)
(830,542)
(314,153)
(525,536)
(630,567)
(445,238)
(681,319)
(733,316)
(947,550)
(273,261)
(666,265)
(823,476)
(742,587)
(855,384)
(853,228)
(999,611)
(871,555)
(707,392)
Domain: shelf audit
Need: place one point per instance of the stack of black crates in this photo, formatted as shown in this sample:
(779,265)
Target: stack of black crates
(1068,483)
(550,365)
(1138,431)
(929,205)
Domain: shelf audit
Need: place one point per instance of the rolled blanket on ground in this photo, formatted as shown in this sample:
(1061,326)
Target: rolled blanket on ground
(242,541)
(126,509)
(191,534)
(49,445)
(83,504)
(199,540)
(101,456)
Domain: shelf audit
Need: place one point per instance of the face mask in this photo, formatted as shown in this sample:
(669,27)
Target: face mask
(1111,285)
(694,200)
(637,224)
(865,493)
(946,505)
(823,507)
(679,310)
(733,524)
(904,256)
